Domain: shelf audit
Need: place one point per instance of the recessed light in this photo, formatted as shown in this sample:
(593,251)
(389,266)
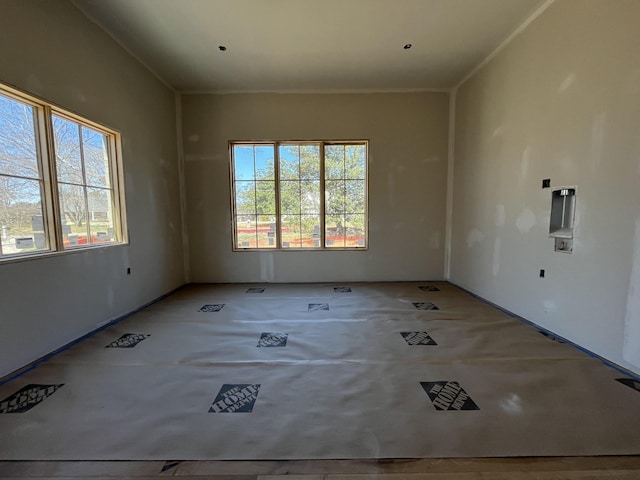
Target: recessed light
(407,46)
(222,48)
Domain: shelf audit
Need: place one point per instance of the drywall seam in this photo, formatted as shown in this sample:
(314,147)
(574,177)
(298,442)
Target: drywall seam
(124,47)
(183,188)
(311,91)
(448,229)
(535,14)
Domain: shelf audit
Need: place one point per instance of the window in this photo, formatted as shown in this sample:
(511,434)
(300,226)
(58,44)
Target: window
(85,196)
(60,180)
(299,195)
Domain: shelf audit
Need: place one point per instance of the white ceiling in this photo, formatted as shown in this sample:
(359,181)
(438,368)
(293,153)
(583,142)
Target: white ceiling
(285,45)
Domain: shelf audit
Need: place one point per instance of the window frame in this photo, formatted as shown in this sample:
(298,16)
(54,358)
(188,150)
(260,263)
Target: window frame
(47,168)
(322,190)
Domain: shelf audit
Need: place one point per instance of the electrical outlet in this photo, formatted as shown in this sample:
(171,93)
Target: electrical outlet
(128,270)
(546,183)
(541,273)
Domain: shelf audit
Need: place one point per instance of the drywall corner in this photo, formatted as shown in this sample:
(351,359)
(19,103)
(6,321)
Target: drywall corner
(183,186)
(450,183)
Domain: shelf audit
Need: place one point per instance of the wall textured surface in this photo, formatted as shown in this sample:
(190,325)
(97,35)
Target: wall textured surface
(51,50)
(407,182)
(562,101)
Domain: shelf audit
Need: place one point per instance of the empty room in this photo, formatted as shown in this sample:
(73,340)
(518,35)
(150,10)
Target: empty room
(337,239)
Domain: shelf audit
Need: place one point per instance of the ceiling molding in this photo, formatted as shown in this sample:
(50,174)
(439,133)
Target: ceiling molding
(521,28)
(340,91)
(119,42)
(358,51)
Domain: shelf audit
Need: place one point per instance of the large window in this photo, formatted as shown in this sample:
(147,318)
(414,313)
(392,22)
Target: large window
(60,180)
(299,195)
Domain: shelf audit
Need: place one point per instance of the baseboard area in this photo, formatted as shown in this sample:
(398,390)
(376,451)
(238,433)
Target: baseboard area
(552,334)
(27,368)
(30,366)
(233,372)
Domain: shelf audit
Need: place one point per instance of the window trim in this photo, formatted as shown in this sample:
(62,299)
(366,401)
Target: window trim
(46,161)
(276,144)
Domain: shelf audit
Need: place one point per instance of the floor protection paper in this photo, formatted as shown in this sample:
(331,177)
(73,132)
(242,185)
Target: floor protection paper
(318,371)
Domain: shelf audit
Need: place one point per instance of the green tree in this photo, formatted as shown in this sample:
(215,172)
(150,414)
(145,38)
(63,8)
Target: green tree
(345,188)
(299,189)
(299,171)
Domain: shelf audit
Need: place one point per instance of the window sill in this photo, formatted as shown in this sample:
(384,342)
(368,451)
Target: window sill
(325,249)
(18,258)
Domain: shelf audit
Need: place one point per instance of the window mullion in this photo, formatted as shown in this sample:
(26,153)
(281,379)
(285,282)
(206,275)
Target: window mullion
(344,195)
(299,179)
(111,190)
(276,173)
(116,189)
(1,238)
(322,199)
(234,212)
(84,184)
(49,175)
(255,196)
(366,196)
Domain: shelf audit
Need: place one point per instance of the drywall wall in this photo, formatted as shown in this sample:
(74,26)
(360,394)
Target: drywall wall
(562,101)
(407,182)
(51,50)
(631,347)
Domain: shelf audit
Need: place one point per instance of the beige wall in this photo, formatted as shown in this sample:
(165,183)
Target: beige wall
(407,182)
(562,101)
(51,50)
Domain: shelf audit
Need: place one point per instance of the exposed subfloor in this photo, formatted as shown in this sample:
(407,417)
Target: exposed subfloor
(539,468)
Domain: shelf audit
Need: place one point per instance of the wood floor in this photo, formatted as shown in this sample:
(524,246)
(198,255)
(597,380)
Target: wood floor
(539,468)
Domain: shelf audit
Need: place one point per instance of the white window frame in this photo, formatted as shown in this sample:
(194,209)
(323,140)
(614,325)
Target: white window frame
(45,151)
(278,236)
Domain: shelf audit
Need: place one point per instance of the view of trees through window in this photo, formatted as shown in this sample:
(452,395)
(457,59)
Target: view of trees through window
(85,197)
(81,159)
(300,195)
(21,182)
